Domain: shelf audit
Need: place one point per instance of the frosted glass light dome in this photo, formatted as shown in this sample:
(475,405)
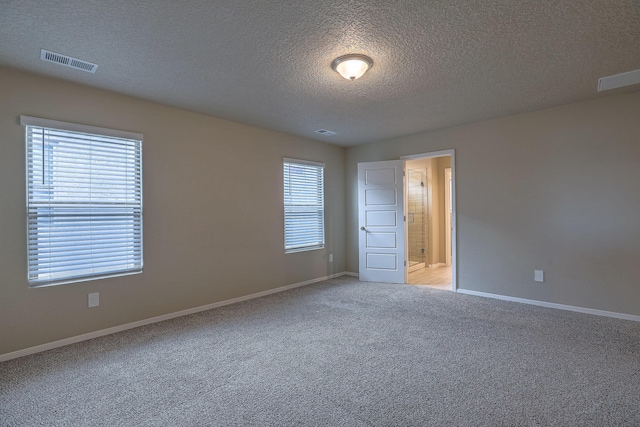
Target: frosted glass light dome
(352,66)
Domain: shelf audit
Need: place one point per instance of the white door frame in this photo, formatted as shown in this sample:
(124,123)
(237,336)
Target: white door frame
(447,214)
(454,257)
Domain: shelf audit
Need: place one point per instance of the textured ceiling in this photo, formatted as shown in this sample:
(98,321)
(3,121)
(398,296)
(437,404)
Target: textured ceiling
(437,63)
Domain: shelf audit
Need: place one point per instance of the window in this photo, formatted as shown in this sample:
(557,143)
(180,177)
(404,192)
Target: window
(303,205)
(84,202)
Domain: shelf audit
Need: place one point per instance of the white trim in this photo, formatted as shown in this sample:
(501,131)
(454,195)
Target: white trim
(350,273)
(442,153)
(74,127)
(302,162)
(120,328)
(418,266)
(593,311)
(447,215)
(438,264)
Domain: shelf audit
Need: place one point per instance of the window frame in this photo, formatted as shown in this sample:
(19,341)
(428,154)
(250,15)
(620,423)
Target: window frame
(318,244)
(135,140)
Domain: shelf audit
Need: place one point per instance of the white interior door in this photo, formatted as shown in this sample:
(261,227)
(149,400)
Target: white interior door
(381,221)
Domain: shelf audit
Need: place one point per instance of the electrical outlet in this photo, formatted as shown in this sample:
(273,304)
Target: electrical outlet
(330,257)
(538,275)
(94,299)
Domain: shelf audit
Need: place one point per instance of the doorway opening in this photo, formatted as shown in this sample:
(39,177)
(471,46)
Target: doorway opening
(429,220)
(408,242)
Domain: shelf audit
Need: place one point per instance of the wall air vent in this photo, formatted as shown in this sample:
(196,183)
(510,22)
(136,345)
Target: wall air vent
(68,61)
(619,80)
(325,132)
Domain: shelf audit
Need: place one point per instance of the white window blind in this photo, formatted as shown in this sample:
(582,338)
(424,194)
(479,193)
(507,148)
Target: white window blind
(303,205)
(84,202)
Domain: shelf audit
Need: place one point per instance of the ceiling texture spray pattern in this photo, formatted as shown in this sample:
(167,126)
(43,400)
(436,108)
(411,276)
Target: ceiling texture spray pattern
(268,63)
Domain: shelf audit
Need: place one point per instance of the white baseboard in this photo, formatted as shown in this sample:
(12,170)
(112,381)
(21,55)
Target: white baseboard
(113,330)
(415,267)
(350,273)
(604,313)
(438,264)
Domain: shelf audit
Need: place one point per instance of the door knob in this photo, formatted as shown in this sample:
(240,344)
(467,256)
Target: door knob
(363,229)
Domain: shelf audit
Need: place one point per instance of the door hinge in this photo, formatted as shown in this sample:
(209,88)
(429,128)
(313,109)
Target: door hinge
(405,218)
(405,263)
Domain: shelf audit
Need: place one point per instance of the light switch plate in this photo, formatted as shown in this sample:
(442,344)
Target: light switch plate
(538,275)
(94,299)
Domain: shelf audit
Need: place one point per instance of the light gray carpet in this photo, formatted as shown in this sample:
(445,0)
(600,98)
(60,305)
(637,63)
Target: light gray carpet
(341,353)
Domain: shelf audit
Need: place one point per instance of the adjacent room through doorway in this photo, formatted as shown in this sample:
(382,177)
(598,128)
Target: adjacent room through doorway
(428,212)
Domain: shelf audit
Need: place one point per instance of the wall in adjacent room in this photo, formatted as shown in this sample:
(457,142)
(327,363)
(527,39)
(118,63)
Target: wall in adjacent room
(212,231)
(556,189)
(441,164)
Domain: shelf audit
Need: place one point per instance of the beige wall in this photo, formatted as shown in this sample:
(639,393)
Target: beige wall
(441,164)
(435,211)
(211,231)
(556,189)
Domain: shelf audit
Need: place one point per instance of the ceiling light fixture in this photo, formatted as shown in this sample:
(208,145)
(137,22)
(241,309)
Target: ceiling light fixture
(352,66)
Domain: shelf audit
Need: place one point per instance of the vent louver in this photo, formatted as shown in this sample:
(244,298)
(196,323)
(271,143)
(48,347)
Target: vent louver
(619,80)
(325,132)
(68,61)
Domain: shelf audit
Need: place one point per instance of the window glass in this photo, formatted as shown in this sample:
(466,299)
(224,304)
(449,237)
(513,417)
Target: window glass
(84,205)
(303,205)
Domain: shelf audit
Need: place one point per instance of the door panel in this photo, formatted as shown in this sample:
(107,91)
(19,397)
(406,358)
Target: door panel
(380,197)
(382,261)
(381,240)
(379,176)
(381,221)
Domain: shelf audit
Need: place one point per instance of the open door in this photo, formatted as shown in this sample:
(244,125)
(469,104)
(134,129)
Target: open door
(381,221)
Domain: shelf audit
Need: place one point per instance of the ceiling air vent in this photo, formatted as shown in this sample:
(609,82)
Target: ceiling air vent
(619,80)
(325,132)
(68,61)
